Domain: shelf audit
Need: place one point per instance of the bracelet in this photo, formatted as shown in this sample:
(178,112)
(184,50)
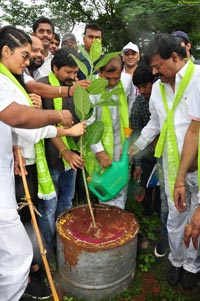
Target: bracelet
(62,150)
(179,186)
(59,124)
(68,93)
(60,91)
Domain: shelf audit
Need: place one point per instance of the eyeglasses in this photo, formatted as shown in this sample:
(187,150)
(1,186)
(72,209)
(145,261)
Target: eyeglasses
(25,55)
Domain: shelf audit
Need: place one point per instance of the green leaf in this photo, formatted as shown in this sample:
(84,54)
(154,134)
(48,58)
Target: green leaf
(106,59)
(108,94)
(80,64)
(84,53)
(107,102)
(93,134)
(97,86)
(95,50)
(81,102)
(72,143)
(90,113)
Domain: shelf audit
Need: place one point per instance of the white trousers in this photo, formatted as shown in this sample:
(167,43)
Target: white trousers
(179,256)
(119,201)
(15,256)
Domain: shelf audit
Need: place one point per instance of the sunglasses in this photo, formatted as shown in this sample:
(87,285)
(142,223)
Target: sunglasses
(25,55)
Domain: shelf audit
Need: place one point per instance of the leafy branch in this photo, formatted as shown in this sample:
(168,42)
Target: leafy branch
(84,107)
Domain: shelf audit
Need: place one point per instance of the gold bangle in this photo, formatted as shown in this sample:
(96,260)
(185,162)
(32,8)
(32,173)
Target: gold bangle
(59,124)
(62,150)
(60,91)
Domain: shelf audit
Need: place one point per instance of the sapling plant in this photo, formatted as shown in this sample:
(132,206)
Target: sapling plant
(84,107)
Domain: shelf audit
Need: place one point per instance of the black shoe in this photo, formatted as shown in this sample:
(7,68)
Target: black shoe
(37,290)
(174,276)
(161,248)
(188,280)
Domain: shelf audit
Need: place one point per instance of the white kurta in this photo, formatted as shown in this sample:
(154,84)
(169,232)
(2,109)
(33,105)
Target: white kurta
(15,246)
(178,256)
(46,66)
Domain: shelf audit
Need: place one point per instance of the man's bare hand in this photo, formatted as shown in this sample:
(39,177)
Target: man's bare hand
(137,172)
(192,230)
(83,83)
(103,159)
(74,160)
(17,169)
(179,195)
(67,119)
(133,150)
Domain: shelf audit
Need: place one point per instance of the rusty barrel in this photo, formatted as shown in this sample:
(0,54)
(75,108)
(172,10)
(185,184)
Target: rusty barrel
(96,263)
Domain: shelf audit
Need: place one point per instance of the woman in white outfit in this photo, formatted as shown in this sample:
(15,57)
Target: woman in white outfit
(15,246)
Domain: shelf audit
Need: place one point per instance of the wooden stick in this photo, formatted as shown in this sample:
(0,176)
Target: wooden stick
(36,228)
(86,186)
(88,198)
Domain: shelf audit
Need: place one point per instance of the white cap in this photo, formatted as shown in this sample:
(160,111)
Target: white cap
(131,46)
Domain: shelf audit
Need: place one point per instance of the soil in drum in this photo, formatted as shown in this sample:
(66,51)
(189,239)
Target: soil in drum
(114,226)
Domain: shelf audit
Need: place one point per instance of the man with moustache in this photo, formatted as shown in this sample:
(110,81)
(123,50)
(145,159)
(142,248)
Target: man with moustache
(63,162)
(92,32)
(54,46)
(43,28)
(36,60)
(170,96)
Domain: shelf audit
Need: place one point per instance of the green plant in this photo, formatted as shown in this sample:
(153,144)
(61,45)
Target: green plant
(68,298)
(150,225)
(84,107)
(146,261)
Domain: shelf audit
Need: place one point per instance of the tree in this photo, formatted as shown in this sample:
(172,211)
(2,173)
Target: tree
(15,12)
(121,20)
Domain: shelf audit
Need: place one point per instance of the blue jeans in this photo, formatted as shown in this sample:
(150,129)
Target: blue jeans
(64,183)
(66,190)
(47,209)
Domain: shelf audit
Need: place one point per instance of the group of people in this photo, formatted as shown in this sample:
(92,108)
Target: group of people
(157,98)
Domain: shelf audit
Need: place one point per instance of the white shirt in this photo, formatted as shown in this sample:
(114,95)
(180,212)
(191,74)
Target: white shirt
(7,187)
(194,107)
(38,73)
(129,89)
(158,116)
(46,66)
(26,138)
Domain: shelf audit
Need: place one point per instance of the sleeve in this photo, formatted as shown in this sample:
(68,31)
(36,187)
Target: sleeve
(35,135)
(27,78)
(6,97)
(151,130)
(193,107)
(128,89)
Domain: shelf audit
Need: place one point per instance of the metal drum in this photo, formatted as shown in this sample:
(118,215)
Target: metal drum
(95,268)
